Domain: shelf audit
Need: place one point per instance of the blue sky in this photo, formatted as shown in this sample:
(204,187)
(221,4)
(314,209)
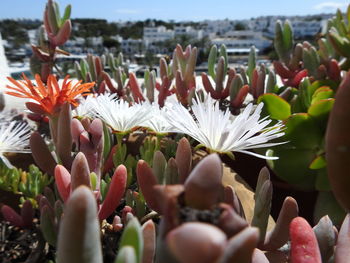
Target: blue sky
(114,10)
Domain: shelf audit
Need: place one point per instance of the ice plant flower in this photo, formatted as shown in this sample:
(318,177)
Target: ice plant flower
(7,115)
(48,98)
(119,114)
(158,123)
(85,107)
(14,138)
(219,131)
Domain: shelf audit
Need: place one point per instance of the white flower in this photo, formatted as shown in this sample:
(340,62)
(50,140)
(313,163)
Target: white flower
(7,116)
(85,106)
(14,138)
(220,131)
(118,114)
(158,123)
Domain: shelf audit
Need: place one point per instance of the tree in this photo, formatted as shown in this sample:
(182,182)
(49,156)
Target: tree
(110,42)
(240,26)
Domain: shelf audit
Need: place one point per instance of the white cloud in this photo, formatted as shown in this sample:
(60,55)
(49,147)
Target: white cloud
(330,5)
(127,11)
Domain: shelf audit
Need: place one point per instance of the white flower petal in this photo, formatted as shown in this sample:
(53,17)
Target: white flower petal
(14,138)
(221,132)
(118,114)
(158,122)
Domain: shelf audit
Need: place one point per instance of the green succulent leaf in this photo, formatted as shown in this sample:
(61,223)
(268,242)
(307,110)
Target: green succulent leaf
(103,189)
(57,13)
(107,144)
(120,154)
(322,83)
(84,67)
(211,61)
(53,20)
(140,205)
(287,36)
(47,225)
(303,132)
(320,111)
(311,60)
(132,236)
(67,13)
(322,182)
(305,93)
(223,53)
(274,106)
(130,164)
(126,255)
(293,166)
(92,66)
(251,63)
(321,94)
(93,180)
(340,43)
(318,163)
(326,204)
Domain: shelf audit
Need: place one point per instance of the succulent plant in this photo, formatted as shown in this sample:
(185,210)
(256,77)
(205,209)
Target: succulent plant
(93,69)
(80,175)
(79,236)
(24,220)
(234,86)
(121,171)
(338,36)
(218,74)
(304,104)
(27,183)
(151,89)
(183,66)
(177,202)
(137,243)
(55,32)
(51,210)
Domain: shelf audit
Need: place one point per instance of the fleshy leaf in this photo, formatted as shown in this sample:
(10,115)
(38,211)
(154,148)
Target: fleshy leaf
(299,124)
(274,106)
(79,233)
(318,163)
(132,236)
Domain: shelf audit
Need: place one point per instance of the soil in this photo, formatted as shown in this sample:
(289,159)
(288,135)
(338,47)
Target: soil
(28,246)
(110,245)
(23,245)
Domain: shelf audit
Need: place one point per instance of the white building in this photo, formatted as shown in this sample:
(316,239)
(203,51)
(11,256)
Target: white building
(243,40)
(306,28)
(188,31)
(95,41)
(131,46)
(260,23)
(218,27)
(302,28)
(157,34)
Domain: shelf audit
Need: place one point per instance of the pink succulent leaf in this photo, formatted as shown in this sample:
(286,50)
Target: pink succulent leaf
(304,246)
(147,180)
(63,182)
(115,192)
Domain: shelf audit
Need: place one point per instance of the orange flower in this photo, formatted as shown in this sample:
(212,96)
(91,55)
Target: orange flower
(49,97)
